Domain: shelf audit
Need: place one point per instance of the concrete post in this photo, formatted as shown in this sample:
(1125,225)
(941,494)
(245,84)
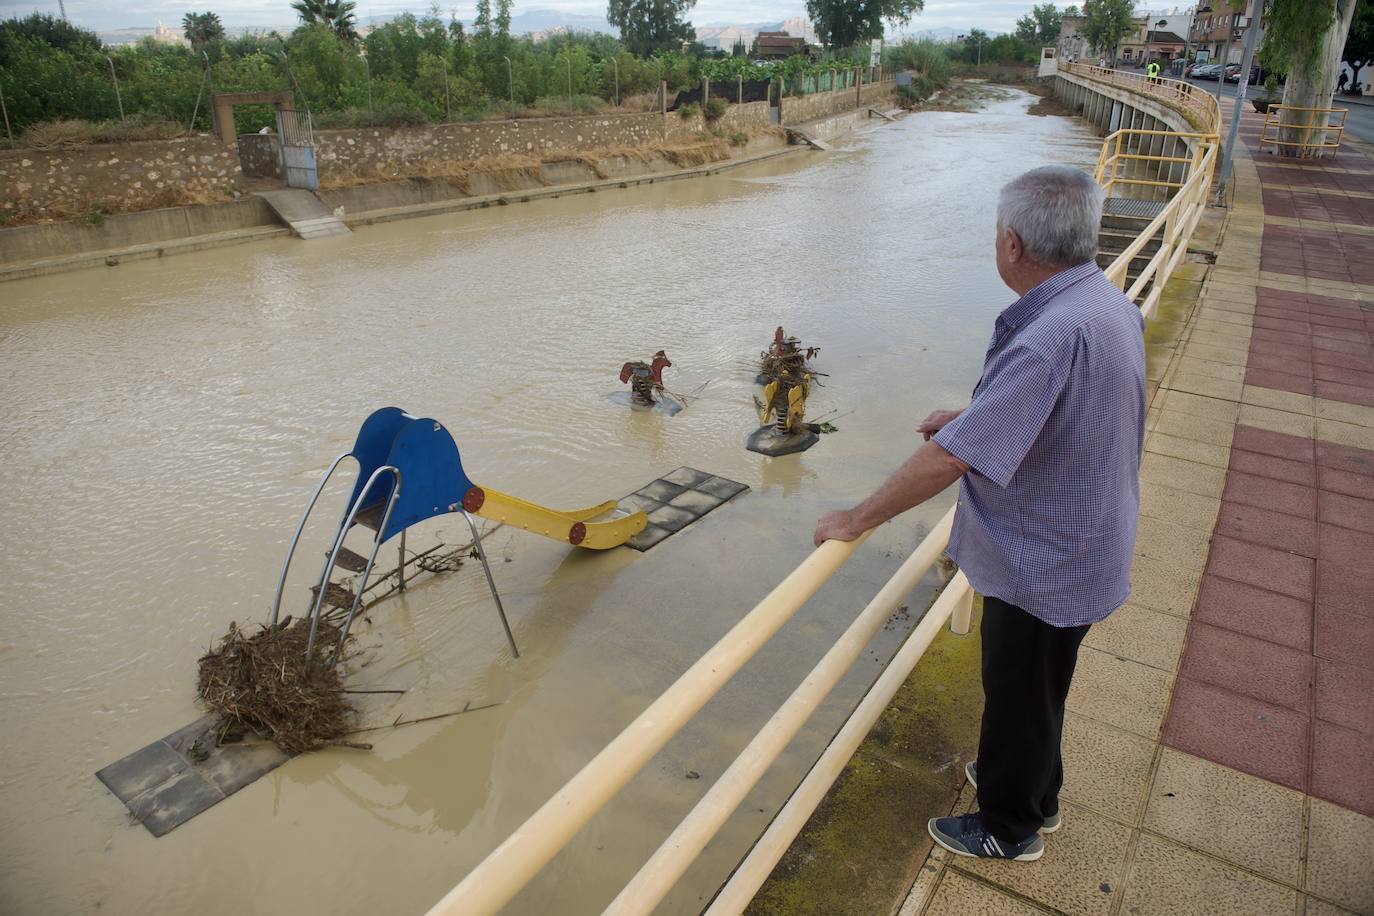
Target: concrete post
(705,93)
(663,97)
(858,88)
(739,91)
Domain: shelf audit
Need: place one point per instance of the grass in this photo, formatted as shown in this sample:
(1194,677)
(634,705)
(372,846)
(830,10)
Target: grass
(73,133)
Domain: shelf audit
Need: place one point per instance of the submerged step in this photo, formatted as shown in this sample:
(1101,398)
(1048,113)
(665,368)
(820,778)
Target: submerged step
(305,213)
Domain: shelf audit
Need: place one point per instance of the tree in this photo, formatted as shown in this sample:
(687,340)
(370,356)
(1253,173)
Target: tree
(201,29)
(1106,22)
(841,23)
(1071,11)
(647,26)
(337,15)
(1040,26)
(1305,37)
(1359,43)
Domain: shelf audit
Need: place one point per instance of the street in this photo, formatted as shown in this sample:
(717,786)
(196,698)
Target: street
(1359,124)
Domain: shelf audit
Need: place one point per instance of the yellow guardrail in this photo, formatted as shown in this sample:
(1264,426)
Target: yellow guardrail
(1294,129)
(1199,106)
(509,867)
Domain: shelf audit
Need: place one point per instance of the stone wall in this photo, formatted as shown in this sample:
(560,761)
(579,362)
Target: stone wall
(749,116)
(341,154)
(260,156)
(116,177)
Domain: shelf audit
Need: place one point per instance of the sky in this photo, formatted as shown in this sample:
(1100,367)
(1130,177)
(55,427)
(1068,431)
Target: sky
(990,15)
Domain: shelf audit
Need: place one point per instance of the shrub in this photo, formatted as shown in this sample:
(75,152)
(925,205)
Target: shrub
(688,111)
(559,104)
(714,108)
(391,114)
(71,132)
(739,138)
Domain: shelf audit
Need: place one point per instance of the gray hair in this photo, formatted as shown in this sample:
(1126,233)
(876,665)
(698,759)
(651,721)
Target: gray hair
(1057,211)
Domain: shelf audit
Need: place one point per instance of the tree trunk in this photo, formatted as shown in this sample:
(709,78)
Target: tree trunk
(1312,86)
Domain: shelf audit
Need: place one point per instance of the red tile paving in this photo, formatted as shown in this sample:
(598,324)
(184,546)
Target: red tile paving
(1277,676)
(1343,767)
(1344,636)
(1239,732)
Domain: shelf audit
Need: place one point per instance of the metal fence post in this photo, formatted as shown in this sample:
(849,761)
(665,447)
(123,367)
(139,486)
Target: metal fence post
(510,79)
(5,111)
(114,76)
(203,80)
(569,61)
(616,65)
(368,69)
(448,108)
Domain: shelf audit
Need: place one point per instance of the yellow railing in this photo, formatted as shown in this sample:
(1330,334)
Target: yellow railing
(1121,166)
(1303,123)
(1174,226)
(1198,105)
(498,878)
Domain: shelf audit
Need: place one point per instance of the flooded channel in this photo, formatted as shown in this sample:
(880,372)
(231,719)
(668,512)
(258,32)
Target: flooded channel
(165,421)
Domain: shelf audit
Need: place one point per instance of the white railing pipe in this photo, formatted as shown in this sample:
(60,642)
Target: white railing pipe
(758,865)
(657,877)
(511,865)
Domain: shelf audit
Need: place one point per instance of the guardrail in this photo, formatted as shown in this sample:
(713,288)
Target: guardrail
(1308,121)
(508,868)
(1200,107)
(1174,226)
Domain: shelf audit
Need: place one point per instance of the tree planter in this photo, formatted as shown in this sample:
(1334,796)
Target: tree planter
(1261,105)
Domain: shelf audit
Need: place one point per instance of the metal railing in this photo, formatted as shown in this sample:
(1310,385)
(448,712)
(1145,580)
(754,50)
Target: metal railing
(508,868)
(1296,132)
(1173,226)
(1200,107)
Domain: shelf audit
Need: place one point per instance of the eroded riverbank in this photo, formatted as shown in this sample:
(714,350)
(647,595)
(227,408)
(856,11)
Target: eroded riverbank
(166,422)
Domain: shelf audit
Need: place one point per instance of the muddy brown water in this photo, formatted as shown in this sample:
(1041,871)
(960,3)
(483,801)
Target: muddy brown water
(164,422)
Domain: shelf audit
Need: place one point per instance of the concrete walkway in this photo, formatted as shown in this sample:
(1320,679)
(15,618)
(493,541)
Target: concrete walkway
(1219,745)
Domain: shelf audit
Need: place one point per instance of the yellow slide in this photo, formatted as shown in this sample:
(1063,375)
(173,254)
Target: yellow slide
(574,526)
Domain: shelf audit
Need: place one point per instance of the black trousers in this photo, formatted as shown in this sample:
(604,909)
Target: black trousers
(1027,668)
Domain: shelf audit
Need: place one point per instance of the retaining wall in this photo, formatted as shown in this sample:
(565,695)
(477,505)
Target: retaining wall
(116,177)
(260,156)
(341,154)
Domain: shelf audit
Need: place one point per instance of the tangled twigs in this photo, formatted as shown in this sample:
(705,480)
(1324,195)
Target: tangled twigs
(266,684)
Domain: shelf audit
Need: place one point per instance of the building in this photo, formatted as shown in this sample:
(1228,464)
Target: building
(778,46)
(1146,43)
(1214,25)
(1072,46)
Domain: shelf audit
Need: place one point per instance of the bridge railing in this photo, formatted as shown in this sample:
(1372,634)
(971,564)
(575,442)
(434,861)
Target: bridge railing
(1200,107)
(508,868)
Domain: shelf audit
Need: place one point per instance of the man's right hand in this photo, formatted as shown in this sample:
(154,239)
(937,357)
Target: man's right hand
(936,422)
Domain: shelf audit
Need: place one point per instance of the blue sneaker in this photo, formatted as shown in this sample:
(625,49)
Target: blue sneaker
(965,835)
(1052,823)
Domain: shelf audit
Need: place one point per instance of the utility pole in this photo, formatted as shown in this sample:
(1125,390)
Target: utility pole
(63,7)
(1251,34)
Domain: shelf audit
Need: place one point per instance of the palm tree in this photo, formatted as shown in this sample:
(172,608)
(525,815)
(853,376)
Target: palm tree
(202,28)
(336,14)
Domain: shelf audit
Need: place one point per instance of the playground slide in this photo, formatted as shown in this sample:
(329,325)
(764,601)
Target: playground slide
(574,526)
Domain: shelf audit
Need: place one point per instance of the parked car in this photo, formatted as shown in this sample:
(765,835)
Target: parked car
(1207,72)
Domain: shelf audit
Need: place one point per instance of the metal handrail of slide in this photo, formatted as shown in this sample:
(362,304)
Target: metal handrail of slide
(508,868)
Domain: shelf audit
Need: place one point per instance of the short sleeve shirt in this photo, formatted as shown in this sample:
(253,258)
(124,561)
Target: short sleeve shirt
(1053,435)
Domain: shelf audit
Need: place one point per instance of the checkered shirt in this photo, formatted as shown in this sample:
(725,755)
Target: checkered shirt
(1047,515)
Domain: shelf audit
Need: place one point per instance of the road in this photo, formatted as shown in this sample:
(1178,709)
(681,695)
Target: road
(1358,124)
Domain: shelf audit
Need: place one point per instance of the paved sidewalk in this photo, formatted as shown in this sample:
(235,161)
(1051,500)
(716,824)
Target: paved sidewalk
(1219,744)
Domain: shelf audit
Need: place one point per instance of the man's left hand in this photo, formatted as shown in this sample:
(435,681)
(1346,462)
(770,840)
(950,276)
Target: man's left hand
(837,526)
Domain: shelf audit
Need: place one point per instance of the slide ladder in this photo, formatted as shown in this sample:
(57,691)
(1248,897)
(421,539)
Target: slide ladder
(409,470)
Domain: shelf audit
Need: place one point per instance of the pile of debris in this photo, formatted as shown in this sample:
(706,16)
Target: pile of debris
(266,684)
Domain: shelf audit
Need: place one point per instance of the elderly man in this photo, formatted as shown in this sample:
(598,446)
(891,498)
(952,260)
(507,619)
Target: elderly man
(1047,454)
